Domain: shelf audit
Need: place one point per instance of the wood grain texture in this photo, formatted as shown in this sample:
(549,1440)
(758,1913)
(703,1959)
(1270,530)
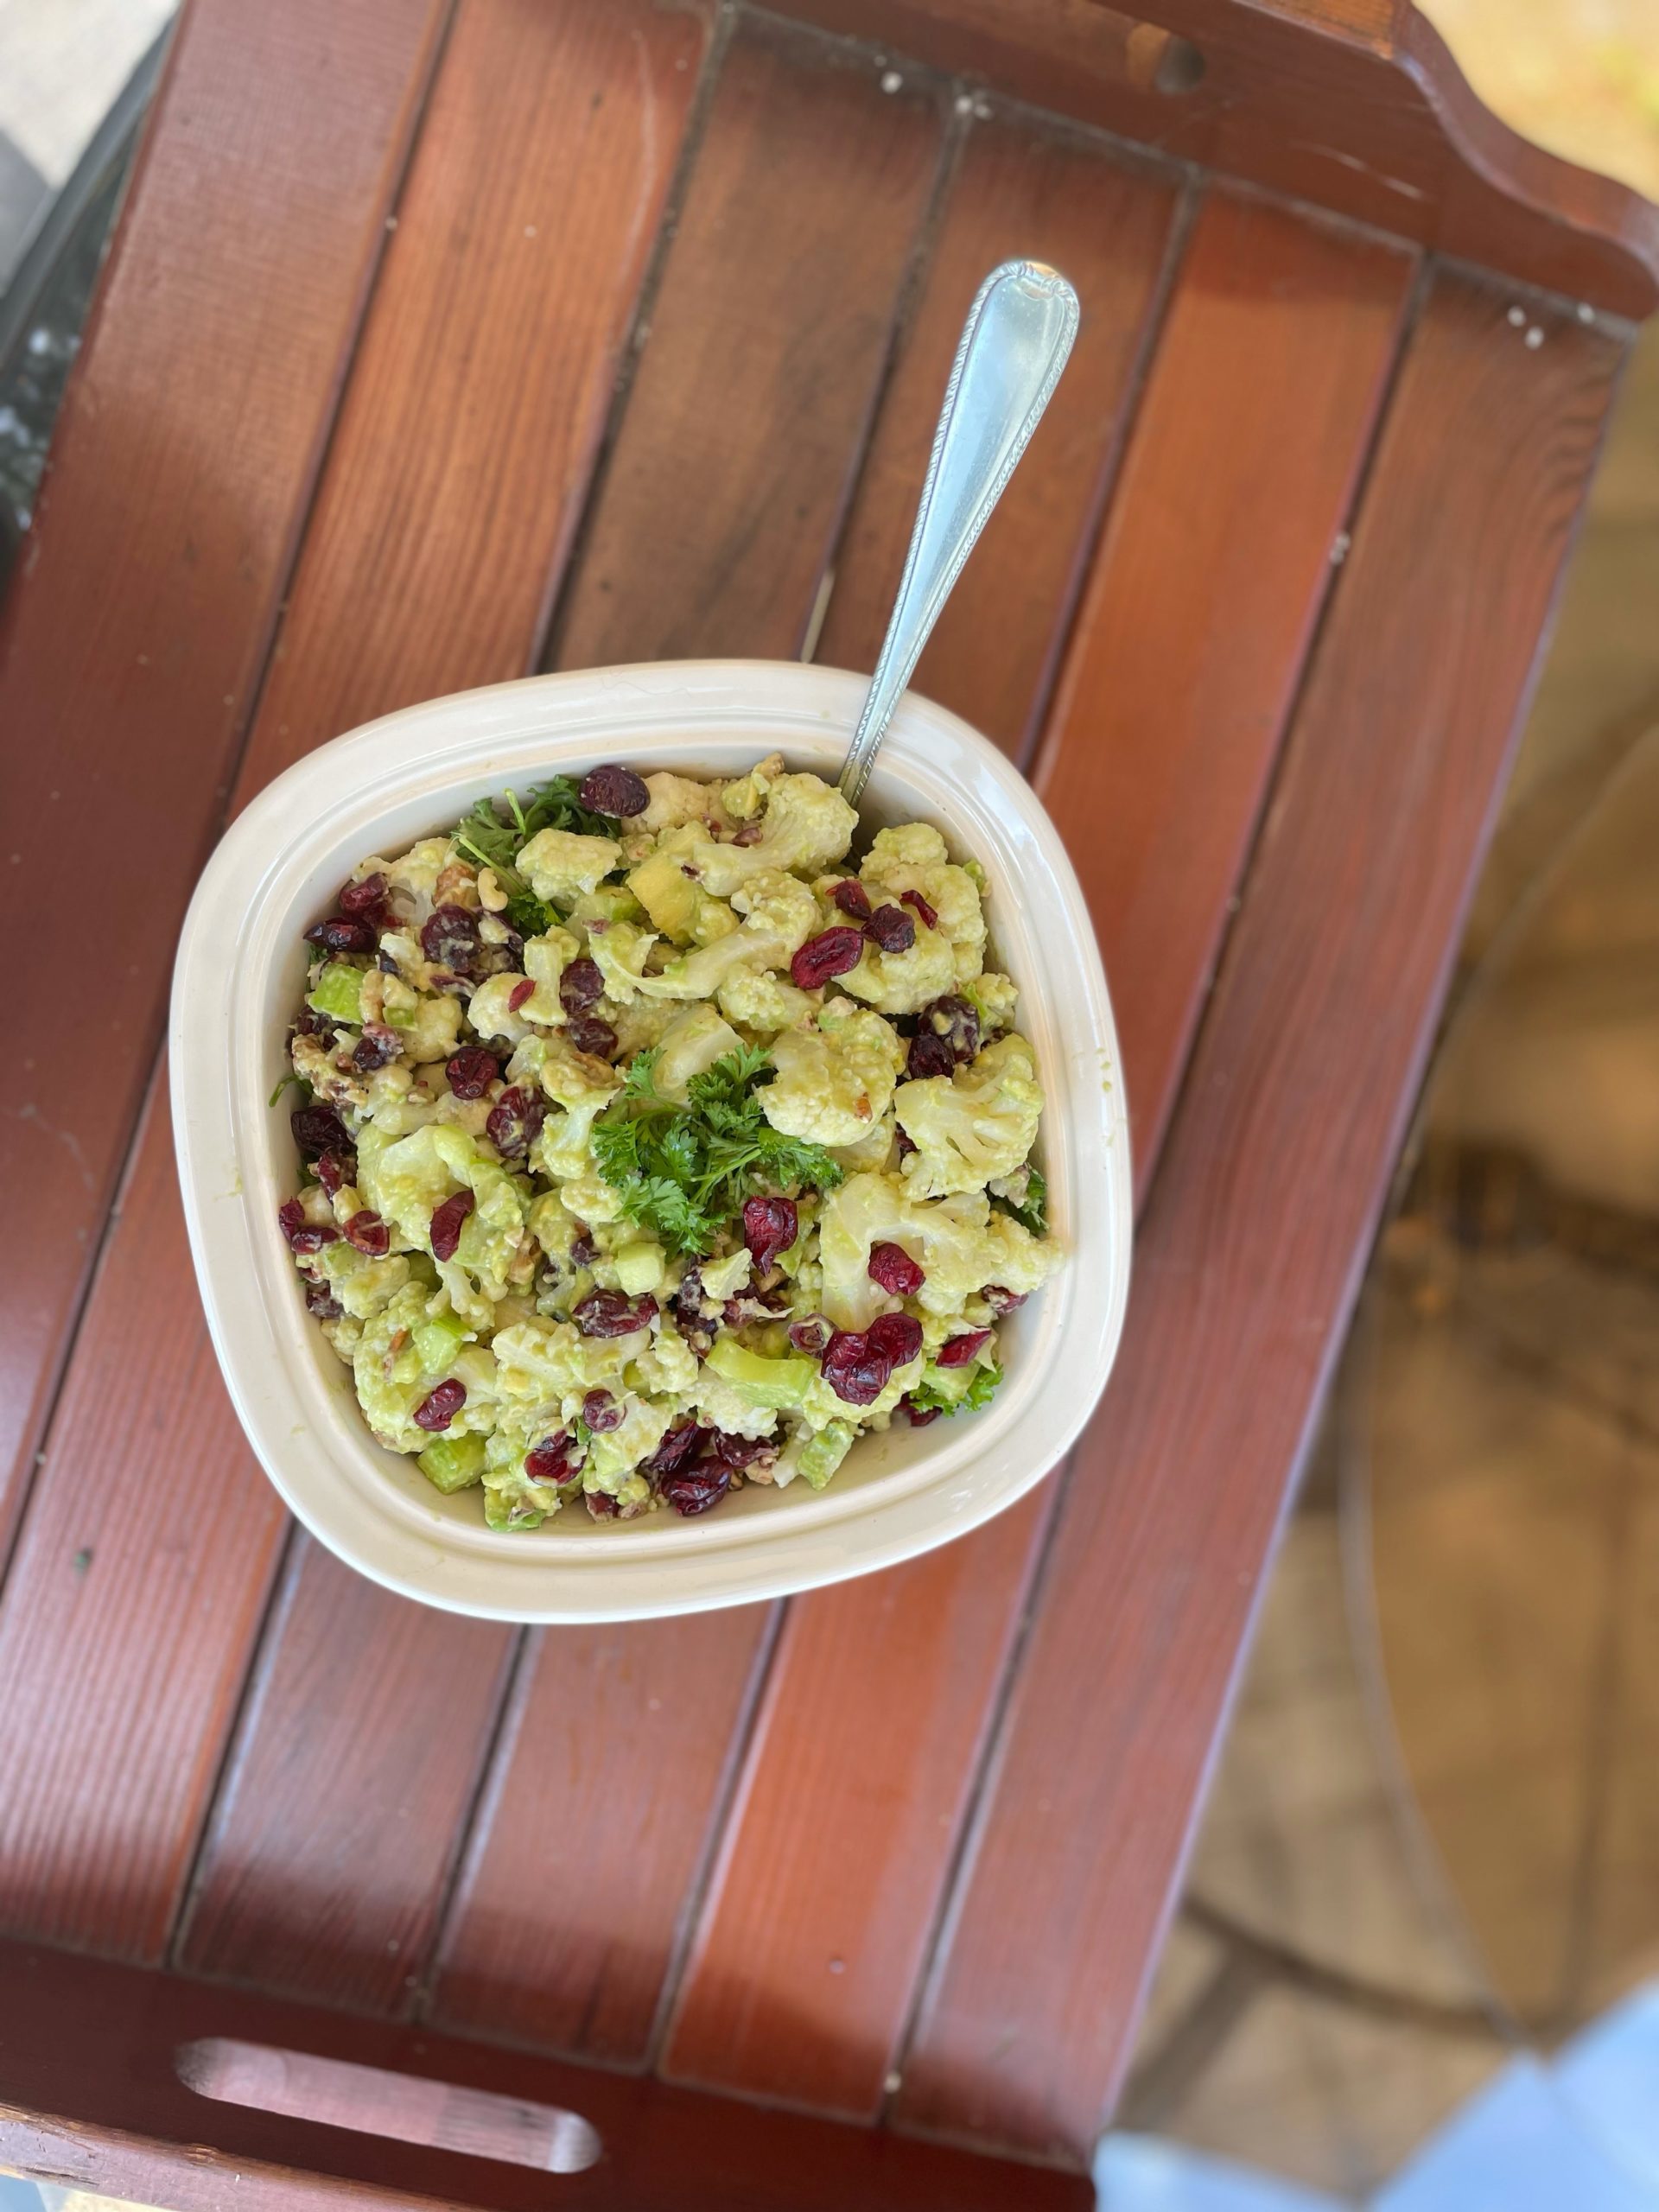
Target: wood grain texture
(836,1853)
(1276,1164)
(768,336)
(481,389)
(1018,192)
(585,1853)
(1350,106)
(521,95)
(104,2042)
(855,1793)
(341,1790)
(140,611)
(136,1592)
(476,405)
(1202,599)
(742,436)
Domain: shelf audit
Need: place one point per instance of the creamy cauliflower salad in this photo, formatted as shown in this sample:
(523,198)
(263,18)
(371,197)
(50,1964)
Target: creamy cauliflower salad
(651,1146)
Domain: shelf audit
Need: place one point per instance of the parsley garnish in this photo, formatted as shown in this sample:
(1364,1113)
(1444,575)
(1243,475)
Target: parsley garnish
(684,1172)
(1032,1212)
(495,843)
(925,1397)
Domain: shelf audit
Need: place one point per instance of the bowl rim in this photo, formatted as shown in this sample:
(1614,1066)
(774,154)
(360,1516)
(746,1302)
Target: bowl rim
(321,1457)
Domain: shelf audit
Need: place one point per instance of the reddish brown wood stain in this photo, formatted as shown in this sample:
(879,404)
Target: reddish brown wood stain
(495,455)
(1275,1167)
(136,621)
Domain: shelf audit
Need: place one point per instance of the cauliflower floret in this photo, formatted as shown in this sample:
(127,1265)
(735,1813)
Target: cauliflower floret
(615,1452)
(417,872)
(406,1179)
(621,950)
(560,865)
(675,799)
(363,1285)
(977,1123)
(914,858)
(779,914)
(546,958)
(583,1086)
(902,983)
(994,998)
(764,1002)
(724,1407)
(435,1031)
(961,1244)
(551,1366)
(805,826)
(490,1010)
(835,1076)
(400,1357)
(667,1368)
(742,798)
(692,1042)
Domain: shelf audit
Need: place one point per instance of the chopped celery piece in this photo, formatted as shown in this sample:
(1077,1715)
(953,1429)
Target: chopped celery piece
(763,1382)
(821,1454)
(437,1341)
(451,1463)
(339,992)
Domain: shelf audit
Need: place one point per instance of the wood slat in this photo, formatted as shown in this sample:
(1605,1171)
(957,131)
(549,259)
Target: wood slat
(768,337)
(741,439)
(136,1592)
(864,1766)
(351,1863)
(540,118)
(137,2056)
(1277,1162)
(607,1777)
(1019,193)
(139,614)
(1199,609)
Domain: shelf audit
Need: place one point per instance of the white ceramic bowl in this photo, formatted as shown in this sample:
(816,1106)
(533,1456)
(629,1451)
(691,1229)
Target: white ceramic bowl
(239,979)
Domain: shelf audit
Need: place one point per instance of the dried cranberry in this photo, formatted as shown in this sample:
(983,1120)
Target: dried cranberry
(583,1251)
(581,985)
(515,1120)
(313,1024)
(290,1219)
(695,1489)
(929,1056)
(341,933)
(892,929)
(386,963)
(957,1021)
(919,1415)
(369,1233)
(855,1369)
(609,1313)
(738,1312)
(307,1240)
(740,1451)
(320,1301)
(552,1460)
(676,1448)
(893,1267)
(905,1141)
(832,952)
(957,1351)
(335,1170)
(318,1129)
(750,834)
(377,1046)
(811,1334)
(601,1506)
(1001,1301)
(600,1412)
(472,1072)
(614,790)
(897,1336)
(440,1408)
(446,1224)
(852,898)
(366,897)
(449,939)
(925,912)
(520,995)
(770,1226)
(589,1035)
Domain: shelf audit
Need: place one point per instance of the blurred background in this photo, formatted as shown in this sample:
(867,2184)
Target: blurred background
(1412,1966)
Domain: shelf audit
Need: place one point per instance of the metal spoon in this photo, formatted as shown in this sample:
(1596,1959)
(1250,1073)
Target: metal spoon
(1014,345)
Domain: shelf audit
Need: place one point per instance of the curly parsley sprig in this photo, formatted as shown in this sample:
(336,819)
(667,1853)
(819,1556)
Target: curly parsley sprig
(684,1172)
(496,843)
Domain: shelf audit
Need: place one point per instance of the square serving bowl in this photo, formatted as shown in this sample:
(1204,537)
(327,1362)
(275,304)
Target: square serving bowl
(239,979)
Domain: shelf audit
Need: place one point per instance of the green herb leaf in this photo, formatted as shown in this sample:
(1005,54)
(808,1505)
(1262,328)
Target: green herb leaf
(1033,1212)
(299,1084)
(684,1172)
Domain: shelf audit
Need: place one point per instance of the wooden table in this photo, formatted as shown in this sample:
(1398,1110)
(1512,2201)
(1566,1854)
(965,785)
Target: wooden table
(443,341)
